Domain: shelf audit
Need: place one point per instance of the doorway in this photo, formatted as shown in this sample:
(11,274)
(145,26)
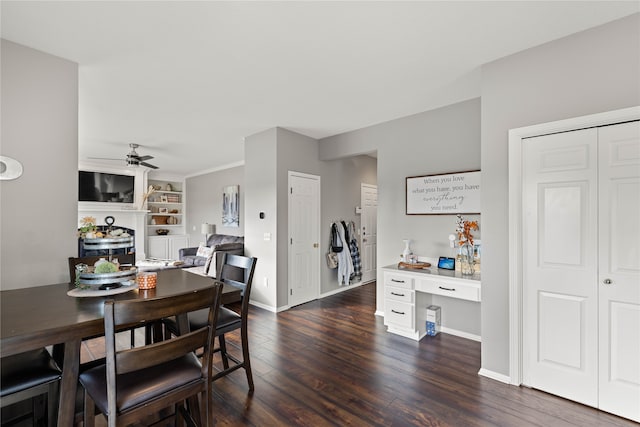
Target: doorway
(304,238)
(575,269)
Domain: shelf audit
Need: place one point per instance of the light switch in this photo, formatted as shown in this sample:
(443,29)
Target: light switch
(267,236)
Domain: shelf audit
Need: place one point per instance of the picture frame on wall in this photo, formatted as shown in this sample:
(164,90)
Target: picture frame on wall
(443,194)
(231,206)
(163,210)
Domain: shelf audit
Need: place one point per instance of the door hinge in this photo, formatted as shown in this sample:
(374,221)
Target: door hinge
(291,240)
(291,190)
(290,291)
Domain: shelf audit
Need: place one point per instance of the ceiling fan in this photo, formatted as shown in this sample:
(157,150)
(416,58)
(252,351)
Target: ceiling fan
(133,159)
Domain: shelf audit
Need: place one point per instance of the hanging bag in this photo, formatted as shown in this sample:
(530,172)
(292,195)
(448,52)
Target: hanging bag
(332,257)
(336,242)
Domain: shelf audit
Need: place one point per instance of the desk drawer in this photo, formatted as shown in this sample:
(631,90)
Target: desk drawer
(398,281)
(453,290)
(399,313)
(398,294)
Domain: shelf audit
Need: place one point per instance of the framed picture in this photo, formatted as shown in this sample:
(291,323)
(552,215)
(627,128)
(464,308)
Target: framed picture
(453,193)
(231,206)
(163,210)
(163,199)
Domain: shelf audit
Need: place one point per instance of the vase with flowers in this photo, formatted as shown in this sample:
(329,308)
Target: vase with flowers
(465,242)
(88,227)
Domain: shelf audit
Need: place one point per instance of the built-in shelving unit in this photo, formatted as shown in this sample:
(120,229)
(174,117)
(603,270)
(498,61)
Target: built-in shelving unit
(166,211)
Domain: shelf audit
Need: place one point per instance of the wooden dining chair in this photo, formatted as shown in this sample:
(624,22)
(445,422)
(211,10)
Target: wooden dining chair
(26,376)
(139,382)
(235,270)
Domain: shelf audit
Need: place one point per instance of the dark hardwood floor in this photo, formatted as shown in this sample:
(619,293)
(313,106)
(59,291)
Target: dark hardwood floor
(332,363)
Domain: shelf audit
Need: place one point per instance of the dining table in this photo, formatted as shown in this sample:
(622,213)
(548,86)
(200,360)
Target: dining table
(42,316)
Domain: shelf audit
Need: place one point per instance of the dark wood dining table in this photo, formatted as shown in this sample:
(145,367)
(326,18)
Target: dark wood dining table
(43,316)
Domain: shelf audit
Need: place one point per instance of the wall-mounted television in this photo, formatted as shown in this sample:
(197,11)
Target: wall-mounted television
(105,187)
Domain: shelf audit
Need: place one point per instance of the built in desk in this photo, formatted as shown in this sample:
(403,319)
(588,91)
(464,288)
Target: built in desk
(407,293)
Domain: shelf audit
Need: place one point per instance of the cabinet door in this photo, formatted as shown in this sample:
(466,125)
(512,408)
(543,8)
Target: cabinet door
(157,247)
(175,244)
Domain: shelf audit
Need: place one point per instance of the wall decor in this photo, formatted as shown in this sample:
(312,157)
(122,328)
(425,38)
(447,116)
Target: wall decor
(443,194)
(231,206)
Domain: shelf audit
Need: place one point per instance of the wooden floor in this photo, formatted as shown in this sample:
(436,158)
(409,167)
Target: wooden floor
(331,363)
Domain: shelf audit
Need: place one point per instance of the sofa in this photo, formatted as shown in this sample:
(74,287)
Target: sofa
(206,259)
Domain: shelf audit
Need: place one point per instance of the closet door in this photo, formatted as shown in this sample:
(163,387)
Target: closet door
(560,289)
(619,269)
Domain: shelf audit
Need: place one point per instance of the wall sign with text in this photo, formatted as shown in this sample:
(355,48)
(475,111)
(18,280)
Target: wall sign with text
(453,193)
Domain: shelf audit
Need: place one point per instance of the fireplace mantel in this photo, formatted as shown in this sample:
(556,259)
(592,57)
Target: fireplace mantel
(129,218)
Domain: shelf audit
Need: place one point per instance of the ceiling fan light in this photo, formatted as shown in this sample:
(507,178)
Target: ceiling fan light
(132,163)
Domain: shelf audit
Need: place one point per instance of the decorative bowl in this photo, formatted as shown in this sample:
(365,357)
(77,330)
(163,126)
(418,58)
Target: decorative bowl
(162,231)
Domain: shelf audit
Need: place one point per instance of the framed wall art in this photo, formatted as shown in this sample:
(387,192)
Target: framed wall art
(452,193)
(231,206)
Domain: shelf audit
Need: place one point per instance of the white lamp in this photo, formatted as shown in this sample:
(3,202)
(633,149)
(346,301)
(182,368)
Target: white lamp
(207,229)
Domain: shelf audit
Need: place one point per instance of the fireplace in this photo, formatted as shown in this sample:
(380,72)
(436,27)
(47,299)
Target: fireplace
(132,221)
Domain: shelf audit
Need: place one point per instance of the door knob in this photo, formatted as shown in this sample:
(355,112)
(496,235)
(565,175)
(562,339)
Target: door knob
(607,281)
(315,245)
(364,240)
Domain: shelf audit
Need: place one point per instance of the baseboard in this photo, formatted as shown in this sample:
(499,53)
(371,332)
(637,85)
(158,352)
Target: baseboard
(326,294)
(494,376)
(460,334)
(341,289)
(264,306)
(379,313)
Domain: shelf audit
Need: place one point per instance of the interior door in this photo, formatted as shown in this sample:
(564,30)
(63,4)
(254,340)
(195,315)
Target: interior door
(368,230)
(619,265)
(560,264)
(304,238)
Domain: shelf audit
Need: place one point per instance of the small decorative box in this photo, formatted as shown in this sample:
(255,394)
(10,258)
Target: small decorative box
(147,280)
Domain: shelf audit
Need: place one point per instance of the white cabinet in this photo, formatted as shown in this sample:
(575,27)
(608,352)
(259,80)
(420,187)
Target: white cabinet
(166,247)
(407,293)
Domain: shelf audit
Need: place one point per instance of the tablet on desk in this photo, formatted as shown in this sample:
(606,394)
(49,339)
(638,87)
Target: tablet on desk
(446,263)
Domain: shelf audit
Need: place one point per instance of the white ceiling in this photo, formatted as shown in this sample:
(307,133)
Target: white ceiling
(189,80)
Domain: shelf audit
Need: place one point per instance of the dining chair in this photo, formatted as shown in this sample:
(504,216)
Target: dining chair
(136,383)
(26,376)
(235,270)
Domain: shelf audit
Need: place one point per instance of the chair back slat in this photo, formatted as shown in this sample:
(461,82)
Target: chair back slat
(229,273)
(129,312)
(137,358)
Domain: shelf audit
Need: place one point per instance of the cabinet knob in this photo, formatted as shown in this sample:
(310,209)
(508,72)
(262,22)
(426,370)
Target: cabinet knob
(607,281)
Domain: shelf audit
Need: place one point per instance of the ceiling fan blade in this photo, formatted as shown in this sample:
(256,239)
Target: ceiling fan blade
(148,165)
(143,158)
(102,158)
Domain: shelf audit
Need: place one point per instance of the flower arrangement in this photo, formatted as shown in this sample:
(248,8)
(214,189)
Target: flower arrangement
(87,225)
(463,229)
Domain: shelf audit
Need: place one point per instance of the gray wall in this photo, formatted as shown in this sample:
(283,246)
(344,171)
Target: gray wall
(593,71)
(38,211)
(204,202)
(261,196)
(439,141)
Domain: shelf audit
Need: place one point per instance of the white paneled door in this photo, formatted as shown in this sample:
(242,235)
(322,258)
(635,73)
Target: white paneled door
(369,230)
(304,238)
(581,266)
(619,269)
